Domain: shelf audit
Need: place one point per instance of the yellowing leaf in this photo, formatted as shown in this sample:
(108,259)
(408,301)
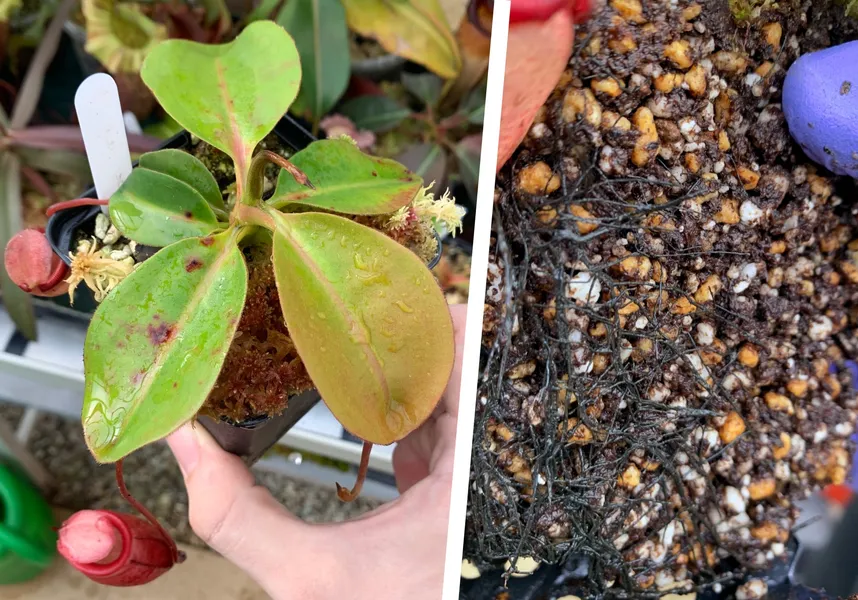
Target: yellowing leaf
(368,320)
(414,29)
(7,7)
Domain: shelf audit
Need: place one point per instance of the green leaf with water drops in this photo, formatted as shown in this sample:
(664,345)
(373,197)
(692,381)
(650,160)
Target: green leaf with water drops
(368,320)
(229,95)
(347,181)
(157,343)
(188,168)
(156,209)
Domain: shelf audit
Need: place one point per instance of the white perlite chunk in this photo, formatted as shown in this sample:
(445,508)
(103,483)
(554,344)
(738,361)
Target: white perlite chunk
(749,212)
(820,328)
(469,570)
(494,279)
(101,225)
(705,334)
(746,275)
(584,288)
(753,590)
(733,500)
(697,364)
(112,236)
(524,566)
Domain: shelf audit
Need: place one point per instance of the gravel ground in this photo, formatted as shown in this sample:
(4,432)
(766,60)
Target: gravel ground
(153,478)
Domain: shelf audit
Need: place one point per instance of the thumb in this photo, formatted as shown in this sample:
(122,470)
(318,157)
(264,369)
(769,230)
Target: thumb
(237,518)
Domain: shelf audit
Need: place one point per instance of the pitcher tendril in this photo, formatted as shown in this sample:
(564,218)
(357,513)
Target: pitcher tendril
(348,495)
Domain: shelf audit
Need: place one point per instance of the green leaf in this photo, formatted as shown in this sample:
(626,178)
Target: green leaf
(263,10)
(474,106)
(322,38)
(368,320)
(477,115)
(347,181)
(427,160)
(468,153)
(157,343)
(229,95)
(155,209)
(216,10)
(58,162)
(376,113)
(163,129)
(188,168)
(17,302)
(426,86)
(414,29)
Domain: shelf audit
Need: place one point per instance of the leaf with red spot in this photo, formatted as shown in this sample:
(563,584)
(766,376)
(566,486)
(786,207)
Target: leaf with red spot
(347,181)
(229,95)
(156,344)
(368,319)
(157,209)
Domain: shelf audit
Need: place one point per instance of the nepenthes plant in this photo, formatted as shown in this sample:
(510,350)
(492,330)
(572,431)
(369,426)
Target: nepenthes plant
(365,315)
(358,312)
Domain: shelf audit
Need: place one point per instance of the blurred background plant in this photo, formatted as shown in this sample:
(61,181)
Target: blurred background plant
(405,79)
(746,10)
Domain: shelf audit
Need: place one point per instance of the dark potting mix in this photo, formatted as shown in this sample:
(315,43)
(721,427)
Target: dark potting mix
(671,304)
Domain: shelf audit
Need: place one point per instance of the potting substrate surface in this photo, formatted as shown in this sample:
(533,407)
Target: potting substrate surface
(153,478)
(671,302)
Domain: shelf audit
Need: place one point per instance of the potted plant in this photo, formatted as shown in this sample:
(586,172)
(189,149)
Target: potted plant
(310,276)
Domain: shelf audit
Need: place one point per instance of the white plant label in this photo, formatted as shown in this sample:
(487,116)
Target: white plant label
(103,129)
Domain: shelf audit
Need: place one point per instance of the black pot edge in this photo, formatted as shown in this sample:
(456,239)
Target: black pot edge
(249,440)
(552,581)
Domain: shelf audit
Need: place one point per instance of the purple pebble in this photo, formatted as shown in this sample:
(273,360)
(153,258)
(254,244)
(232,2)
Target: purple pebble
(853,370)
(820,103)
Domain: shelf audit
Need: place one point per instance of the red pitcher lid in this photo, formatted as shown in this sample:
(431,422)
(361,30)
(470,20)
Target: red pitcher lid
(542,10)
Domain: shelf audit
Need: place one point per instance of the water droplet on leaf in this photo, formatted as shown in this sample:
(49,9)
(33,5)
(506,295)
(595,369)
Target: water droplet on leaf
(403,307)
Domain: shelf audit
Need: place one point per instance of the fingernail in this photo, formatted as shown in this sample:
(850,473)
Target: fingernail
(186,448)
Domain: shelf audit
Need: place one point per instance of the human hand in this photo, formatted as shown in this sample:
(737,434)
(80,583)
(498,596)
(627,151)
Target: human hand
(395,551)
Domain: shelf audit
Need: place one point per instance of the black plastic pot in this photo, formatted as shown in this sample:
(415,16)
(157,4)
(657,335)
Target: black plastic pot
(551,582)
(250,439)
